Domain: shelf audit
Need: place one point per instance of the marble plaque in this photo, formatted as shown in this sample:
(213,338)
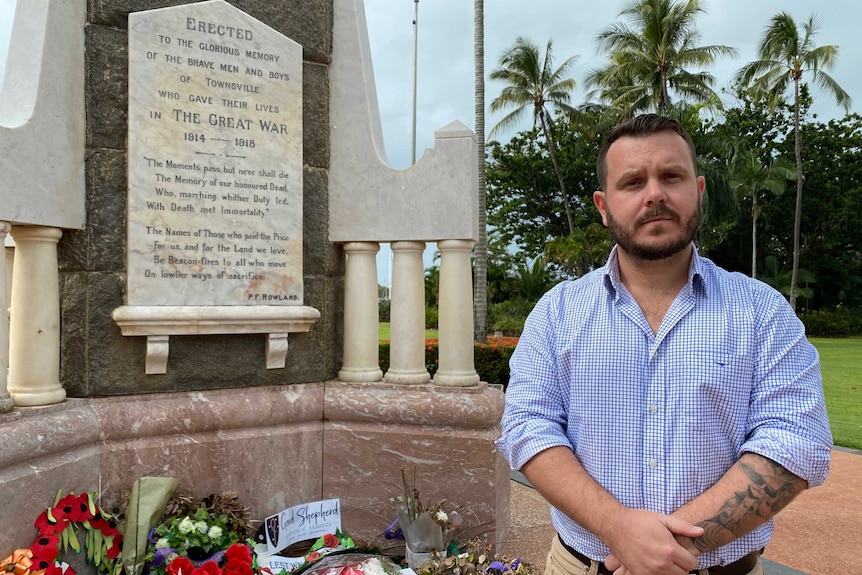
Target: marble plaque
(215,159)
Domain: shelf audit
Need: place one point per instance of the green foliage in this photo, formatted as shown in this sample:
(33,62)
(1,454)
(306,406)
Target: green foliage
(383,308)
(508,317)
(432,286)
(431,317)
(582,251)
(838,323)
(525,203)
(383,355)
(491,359)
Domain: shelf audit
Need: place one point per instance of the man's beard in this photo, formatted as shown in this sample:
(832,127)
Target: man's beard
(624,237)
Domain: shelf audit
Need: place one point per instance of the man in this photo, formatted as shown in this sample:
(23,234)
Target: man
(666,408)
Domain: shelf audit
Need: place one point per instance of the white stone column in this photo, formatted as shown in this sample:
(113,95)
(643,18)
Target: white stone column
(456,368)
(361,336)
(34,331)
(407,315)
(6,402)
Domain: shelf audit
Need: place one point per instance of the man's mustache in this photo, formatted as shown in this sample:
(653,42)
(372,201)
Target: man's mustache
(656,213)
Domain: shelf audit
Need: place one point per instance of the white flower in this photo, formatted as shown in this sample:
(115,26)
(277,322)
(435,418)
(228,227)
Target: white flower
(441,516)
(186,525)
(162,543)
(215,532)
(202,526)
(372,567)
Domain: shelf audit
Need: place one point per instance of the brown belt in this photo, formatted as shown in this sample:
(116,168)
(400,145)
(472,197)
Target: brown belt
(741,566)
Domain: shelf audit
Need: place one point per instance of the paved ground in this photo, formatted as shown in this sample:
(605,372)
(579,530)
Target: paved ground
(820,533)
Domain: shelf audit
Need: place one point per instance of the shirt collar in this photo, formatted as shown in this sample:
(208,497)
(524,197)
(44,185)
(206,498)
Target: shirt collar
(696,281)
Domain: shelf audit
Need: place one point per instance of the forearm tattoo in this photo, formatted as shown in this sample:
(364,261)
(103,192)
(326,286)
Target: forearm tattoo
(770,489)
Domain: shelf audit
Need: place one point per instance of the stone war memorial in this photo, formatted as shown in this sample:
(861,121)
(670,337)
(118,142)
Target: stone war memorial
(192,201)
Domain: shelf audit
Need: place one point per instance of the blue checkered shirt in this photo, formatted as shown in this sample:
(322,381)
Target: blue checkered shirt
(658,418)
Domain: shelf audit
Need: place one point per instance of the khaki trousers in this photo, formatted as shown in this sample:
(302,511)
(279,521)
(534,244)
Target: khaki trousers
(561,562)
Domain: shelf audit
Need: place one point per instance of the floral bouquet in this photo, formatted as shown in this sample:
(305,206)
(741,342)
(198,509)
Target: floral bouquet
(202,536)
(426,528)
(235,560)
(353,563)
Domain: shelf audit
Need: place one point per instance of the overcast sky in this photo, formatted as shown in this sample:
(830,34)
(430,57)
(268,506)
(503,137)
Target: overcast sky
(445,69)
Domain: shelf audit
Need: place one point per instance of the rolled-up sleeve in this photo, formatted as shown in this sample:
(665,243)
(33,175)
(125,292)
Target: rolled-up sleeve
(787,419)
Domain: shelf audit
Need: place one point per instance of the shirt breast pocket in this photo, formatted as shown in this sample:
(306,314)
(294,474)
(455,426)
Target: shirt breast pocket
(719,392)
(715,406)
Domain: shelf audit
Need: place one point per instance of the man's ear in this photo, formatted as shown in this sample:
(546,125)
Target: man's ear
(701,186)
(600,200)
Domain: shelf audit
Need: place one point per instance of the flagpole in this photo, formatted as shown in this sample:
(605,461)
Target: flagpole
(415,67)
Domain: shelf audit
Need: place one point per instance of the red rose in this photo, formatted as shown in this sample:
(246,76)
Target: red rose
(238,552)
(208,568)
(237,568)
(330,540)
(180,566)
(314,555)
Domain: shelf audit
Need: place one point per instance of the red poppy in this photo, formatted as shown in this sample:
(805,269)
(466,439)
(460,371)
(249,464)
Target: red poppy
(180,566)
(45,549)
(330,540)
(45,525)
(55,569)
(114,550)
(238,552)
(74,507)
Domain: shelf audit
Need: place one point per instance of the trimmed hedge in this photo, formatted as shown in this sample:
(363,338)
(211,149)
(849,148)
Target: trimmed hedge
(490,359)
(839,323)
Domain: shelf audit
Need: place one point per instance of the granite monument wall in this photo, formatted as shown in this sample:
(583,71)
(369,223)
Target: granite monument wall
(96,359)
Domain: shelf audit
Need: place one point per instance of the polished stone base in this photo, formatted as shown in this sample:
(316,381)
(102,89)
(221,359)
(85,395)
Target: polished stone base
(274,446)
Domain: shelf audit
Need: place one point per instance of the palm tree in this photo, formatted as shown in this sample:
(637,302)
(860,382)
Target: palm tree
(532,84)
(785,54)
(750,177)
(649,58)
(480,253)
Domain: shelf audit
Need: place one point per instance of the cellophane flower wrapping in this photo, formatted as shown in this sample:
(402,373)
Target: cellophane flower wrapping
(353,564)
(422,534)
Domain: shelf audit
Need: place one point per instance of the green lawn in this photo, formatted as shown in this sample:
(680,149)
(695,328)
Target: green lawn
(383,331)
(841,364)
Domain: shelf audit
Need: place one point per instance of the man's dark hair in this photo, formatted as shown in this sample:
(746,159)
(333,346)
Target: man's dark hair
(640,127)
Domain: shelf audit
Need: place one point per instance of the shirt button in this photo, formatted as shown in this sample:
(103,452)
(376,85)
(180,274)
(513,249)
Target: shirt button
(653,463)
(653,409)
